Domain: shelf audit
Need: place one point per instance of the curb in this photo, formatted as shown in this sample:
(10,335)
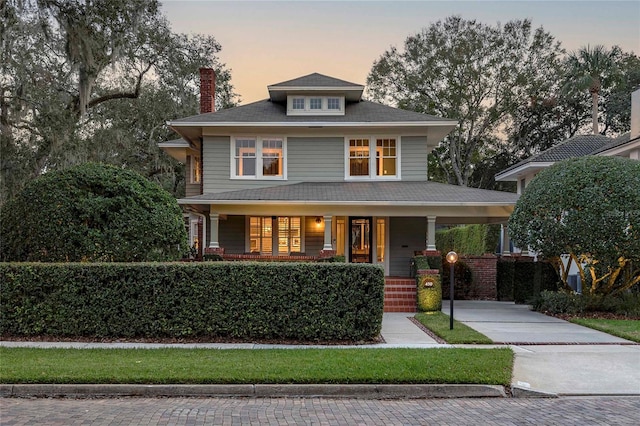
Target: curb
(363,391)
(520,392)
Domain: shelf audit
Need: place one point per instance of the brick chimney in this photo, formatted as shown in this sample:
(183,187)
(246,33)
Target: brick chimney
(207,90)
(635,114)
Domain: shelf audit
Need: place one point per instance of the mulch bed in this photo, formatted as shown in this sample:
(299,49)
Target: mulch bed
(173,340)
(593,315)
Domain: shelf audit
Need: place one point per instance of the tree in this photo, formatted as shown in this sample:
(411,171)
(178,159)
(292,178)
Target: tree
(92,212)
(586,208)
(96,81)
(590,69)
(477,74)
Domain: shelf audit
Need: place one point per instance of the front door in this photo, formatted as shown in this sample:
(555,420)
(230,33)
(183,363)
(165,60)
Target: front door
(360,239)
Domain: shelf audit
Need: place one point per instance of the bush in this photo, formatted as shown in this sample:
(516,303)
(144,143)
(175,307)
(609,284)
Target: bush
(333,259)
(302,301)
(92,212)
(463,279)
(470,239)
(505,270)
(560,302)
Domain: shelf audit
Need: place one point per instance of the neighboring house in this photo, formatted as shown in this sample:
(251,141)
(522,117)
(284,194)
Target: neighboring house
(315,170)
(626,145)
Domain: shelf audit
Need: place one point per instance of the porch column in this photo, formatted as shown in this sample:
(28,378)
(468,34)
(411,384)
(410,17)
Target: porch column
(506,241)
(327,233)
(213,231)
(431,233)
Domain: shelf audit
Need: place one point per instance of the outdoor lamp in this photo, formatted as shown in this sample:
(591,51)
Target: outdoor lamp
(452,258)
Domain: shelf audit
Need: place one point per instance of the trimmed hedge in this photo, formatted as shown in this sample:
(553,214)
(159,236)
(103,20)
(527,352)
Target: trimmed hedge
(522,280)
(246,300)
(470,239)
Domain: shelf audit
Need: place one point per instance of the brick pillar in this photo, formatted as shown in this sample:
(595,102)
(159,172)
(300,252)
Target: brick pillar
(207,90)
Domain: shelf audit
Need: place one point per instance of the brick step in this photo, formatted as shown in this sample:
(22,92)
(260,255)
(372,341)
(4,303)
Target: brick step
(400,295)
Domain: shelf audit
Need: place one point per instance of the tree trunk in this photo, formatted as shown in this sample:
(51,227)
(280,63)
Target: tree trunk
(594,111)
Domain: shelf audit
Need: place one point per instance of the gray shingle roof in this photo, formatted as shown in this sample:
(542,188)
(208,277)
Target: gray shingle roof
(576,146)
(266,111)
(399,192)
(620,140)
(314,80)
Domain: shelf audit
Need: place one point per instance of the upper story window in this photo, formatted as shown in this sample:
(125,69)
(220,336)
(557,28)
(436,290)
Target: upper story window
(258,158)
(315,105)
(195,169)
(361,153)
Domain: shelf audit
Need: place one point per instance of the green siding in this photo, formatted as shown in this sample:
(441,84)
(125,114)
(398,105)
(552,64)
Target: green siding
(406,235)
(413,151)
(314,159)
(231,233)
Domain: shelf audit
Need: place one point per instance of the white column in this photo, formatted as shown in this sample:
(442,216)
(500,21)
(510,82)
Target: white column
(213,230)
(431,233)
(506,242)
(327,233)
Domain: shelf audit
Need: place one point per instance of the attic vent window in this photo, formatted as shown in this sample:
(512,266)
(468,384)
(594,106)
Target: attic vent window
(315,105)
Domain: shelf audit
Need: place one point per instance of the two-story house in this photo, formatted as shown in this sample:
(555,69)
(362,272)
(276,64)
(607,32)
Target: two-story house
(316,170)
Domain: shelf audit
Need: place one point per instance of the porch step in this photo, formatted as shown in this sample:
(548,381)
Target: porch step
(400,295)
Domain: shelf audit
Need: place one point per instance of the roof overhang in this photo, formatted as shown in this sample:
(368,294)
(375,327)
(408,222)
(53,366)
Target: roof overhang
(177,149)
(623,150)
(280,93)
(435,131)
(513,175)
(452,213)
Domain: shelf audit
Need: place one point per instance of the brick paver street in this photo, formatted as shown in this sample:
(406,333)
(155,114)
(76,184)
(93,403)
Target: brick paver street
(240,411)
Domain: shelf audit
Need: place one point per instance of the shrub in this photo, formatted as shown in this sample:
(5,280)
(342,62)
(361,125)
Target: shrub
(586,208)
(92,212)
(561,302)
(463,279)
(247,300)
(505,270)
(469,239)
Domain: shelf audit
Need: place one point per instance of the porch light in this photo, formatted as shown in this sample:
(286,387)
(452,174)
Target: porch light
(318,221)
(452,258)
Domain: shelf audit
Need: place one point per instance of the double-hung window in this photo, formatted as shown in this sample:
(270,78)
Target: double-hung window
(258,158)
(372,158)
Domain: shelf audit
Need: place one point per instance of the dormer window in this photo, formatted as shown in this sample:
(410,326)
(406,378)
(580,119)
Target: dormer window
(333,104)
(315,105)
(298,103)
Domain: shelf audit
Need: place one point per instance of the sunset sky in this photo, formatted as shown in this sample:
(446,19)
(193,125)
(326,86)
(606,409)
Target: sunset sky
(266,42)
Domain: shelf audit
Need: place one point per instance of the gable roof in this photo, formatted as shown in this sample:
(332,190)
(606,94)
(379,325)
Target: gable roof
(315,80)
(315,83)
(400,193)
(620,140)
(576,146)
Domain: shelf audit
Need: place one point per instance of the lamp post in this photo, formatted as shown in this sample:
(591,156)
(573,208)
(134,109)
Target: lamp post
(452,258)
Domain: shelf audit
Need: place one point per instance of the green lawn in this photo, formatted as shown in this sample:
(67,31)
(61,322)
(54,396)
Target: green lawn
(438,323)
(174,366)
(627,329)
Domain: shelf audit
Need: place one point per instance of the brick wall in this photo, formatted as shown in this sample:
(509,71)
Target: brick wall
(484,276)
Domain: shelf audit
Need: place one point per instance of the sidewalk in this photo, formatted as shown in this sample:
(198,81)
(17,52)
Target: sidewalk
(552,357)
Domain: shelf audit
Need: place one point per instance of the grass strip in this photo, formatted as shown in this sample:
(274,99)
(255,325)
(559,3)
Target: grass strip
(627,329)
(240,366)
(438,323)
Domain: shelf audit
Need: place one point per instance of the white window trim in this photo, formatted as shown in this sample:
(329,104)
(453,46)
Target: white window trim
(307,105)
(372,158)
(258,175)
(274,230)
(192,165)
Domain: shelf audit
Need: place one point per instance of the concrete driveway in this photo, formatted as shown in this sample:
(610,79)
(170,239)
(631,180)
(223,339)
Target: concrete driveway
(552,355)
(506,322)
